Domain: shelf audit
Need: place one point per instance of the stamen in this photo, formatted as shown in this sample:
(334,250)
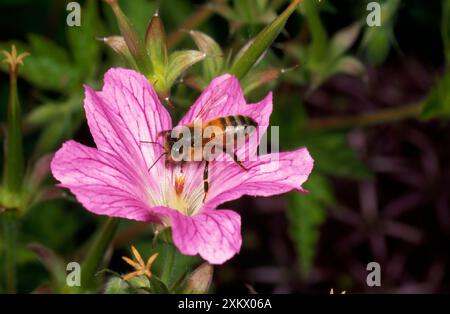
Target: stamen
(179,183)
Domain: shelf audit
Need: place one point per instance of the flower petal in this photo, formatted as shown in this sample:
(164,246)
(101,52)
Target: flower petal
(271,174)
(214,234)
(100,182)
(126,112)
(223,97)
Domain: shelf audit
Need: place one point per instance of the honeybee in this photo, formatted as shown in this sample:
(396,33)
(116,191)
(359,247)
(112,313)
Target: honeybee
(200,140)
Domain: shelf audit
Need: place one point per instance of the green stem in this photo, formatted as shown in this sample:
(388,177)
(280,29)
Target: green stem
(96,253)
(14,164)
(9,221)
(169,260)
(365,119)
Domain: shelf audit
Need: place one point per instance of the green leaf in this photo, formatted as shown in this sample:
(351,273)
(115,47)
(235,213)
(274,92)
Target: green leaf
(118,44)
(94,256)
(54,264)
(116,285)
(306,214)
(179,62)
(377,41)
(256,79)
(377,44)
(158,286)
(343,40)
(319,38)
(213,64)
(84,47)
(155,40)
(437,104)
(334,156)
(262,41)
(132,38)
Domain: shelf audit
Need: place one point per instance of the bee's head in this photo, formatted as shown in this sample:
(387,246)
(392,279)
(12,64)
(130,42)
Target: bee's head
(170,148)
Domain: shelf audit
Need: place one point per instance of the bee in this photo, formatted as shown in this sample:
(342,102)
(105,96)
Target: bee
(229,131)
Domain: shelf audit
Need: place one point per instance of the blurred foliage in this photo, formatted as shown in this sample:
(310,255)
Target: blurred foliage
(268,44)
(306,214)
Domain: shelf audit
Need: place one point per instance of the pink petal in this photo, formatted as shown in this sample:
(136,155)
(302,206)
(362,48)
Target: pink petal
(223,97)
(126,112)
(101,182)
(271,174)
(214,234)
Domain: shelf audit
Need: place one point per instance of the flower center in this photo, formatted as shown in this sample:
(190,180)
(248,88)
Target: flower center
(183,198)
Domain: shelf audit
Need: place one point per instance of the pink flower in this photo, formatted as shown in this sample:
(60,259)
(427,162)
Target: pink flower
(113,179)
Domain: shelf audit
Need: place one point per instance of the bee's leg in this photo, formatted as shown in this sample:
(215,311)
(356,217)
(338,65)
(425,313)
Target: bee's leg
(236,160)
(206,179)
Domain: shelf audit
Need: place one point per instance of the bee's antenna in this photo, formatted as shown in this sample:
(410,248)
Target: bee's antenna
(157,159)
(151,142)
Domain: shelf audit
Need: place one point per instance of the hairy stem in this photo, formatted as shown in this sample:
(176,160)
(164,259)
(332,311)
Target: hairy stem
(10,225)
(169,259)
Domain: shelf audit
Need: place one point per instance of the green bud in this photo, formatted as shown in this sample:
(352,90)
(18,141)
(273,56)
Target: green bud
(155,41)
(243,63)
(14,159)
(213,65)
(200,280)
(179,61)
(131,37)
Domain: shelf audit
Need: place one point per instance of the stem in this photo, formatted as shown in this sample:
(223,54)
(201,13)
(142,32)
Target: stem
(366,119)
(10,241)
(169,259)
(14,164)
(96,252)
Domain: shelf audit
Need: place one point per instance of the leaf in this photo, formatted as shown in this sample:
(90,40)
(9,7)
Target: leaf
(334,156)
(214,62)
(377,41)
(319,38)
(256,79)
(377,44)
(157,286)
(352,66)
(437,104)
(132,38)
(343,40)
(155,40)
(179,62)
(262,41)
(83,45)
(52,262)
(116,285)
(306,214)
